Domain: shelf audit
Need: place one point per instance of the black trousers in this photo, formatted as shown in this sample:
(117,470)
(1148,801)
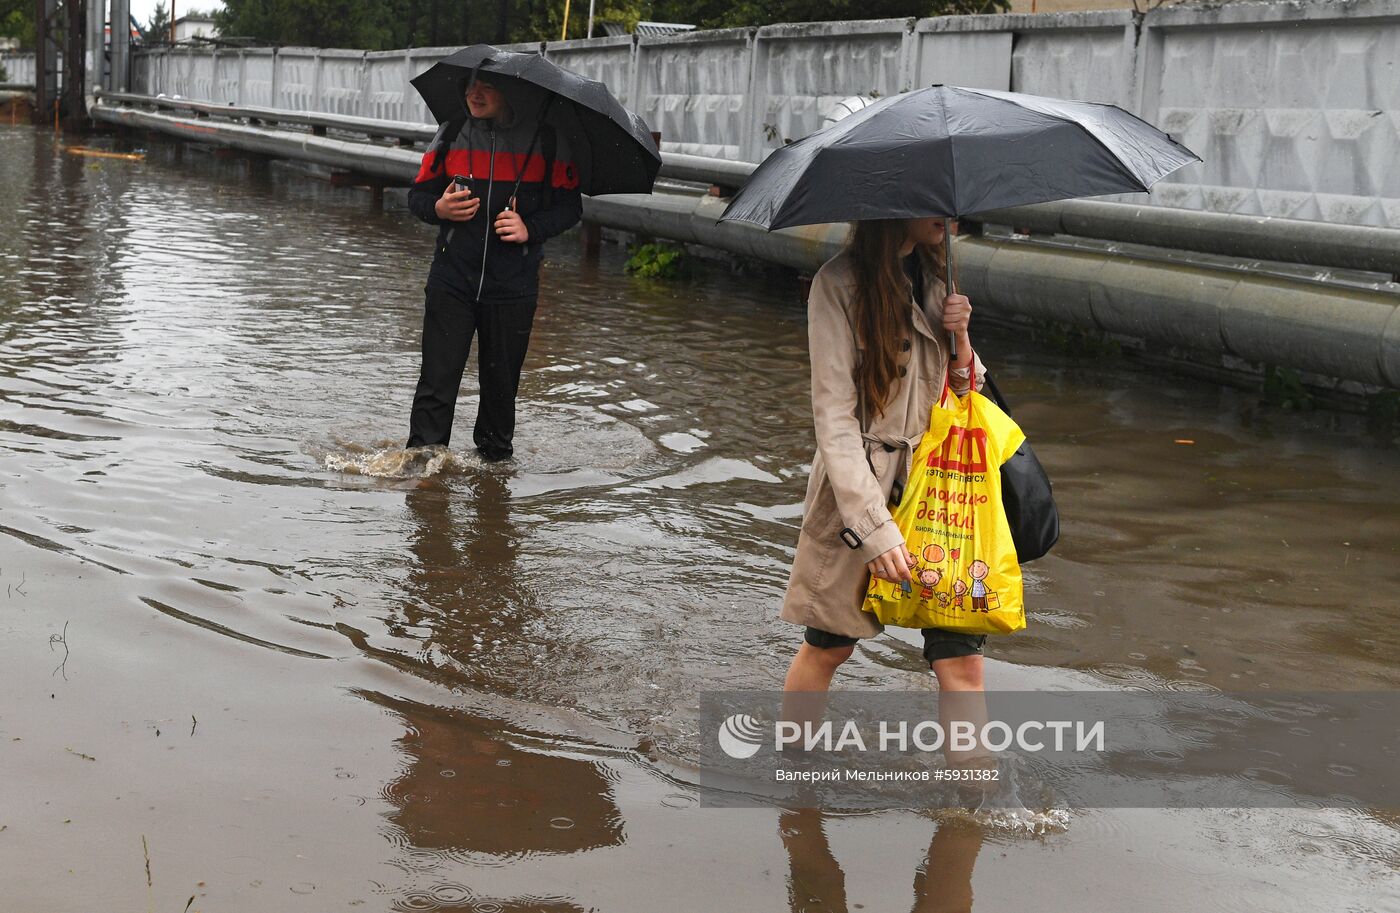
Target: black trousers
(503,331)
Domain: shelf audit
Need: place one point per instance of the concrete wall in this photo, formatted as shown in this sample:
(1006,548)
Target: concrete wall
(1295,106)
(19,66)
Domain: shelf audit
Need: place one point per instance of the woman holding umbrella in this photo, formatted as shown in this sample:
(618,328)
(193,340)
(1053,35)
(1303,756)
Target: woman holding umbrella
(880,324)
(899,169)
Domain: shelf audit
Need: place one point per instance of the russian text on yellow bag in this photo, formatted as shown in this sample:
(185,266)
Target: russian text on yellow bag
(966,576)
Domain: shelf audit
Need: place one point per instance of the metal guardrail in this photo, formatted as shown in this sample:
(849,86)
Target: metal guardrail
(1340,332)
(417,133)
(1328,244)
(1321,244)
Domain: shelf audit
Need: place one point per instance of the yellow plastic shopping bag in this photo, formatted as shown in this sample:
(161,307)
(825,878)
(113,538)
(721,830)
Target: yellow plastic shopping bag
(967,578)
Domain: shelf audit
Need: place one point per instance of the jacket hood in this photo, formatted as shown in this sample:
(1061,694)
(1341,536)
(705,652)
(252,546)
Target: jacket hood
(524,99)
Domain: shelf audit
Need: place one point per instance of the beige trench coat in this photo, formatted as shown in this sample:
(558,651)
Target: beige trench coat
(859,457)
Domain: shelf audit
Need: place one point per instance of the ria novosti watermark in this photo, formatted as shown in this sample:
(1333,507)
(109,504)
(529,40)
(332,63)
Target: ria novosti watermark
(1067,749)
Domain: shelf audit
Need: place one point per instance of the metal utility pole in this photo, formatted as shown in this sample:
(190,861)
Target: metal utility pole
(74,65)
(94,50)
(47,53)
(121,46)
(590,18)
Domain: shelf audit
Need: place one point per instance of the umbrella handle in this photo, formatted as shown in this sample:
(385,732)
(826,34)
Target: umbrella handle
(948,282)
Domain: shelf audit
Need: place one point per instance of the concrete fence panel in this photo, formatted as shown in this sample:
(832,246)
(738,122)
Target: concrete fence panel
(341,81)
(1295,108)
(804,71)
(1082,56)
(971,51)
(296,79)
(608,60)
(228,77)
(19,67)
(386,80)
(695,89)
(259,77)
(203,81)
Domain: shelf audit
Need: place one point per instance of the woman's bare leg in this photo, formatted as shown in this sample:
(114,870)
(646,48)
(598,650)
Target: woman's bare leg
(812,668)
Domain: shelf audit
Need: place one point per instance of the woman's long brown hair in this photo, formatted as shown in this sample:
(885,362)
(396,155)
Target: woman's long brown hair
(882,305)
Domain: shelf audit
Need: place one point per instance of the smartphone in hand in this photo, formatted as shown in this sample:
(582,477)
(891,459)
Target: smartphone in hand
(461,182)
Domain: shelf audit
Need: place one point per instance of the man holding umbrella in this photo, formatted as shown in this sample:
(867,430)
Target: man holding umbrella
(520,189)
(521,140)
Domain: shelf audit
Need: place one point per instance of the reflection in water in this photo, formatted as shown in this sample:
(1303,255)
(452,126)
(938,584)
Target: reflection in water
(943,884)
(470,789)
(817,884)
(465,593)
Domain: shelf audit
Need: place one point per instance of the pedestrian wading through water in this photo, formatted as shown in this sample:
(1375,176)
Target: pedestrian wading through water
(499,181)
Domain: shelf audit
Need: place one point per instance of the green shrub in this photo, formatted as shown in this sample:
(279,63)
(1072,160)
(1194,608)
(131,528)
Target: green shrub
(658,260)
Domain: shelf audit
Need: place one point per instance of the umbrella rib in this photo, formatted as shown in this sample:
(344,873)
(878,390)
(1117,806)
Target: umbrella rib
(1115,157)
(1118,161)
(952,158)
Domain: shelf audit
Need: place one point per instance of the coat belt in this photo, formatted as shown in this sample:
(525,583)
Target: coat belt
(891,443)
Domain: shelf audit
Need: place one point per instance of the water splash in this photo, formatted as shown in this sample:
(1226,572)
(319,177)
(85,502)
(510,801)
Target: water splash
(394,462)
(1003,808)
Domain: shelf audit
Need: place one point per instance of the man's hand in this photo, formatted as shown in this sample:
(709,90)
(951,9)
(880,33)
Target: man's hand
(456,205)
(510,227)
(893,565)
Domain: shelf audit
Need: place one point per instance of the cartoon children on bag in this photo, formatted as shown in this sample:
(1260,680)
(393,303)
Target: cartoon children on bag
(929,577)
(978,572)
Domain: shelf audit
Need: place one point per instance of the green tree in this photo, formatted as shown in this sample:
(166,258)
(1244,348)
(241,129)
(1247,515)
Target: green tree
(722,14)
(388,24)
(546,19)
(158,27)
(312,23)
(17,21)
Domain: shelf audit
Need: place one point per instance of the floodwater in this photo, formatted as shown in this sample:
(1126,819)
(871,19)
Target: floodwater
(245,665)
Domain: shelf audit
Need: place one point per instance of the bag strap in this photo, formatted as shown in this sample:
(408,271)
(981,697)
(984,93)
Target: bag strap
(549,148)
(530,150)
(989,389)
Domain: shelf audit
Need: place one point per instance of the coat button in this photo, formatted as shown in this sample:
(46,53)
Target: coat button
(908,344)
(903,370)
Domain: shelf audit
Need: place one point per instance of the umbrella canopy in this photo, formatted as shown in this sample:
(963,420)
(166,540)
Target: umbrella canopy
(948,151)
(617,153)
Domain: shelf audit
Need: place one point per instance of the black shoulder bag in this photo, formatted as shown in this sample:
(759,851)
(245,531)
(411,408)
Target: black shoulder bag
(1026,494)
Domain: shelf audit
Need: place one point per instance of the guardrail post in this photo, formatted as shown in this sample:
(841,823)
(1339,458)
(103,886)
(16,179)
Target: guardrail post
(316,103)
(908,57)
(407,86)
(751,139)
(242,74)
(634,75)
(362,84)
(1147,71)
(276,66)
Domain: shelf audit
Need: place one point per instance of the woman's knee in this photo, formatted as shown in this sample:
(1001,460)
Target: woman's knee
(959,673)
(829,657)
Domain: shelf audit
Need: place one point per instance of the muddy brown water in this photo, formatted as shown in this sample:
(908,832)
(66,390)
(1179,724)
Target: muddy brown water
(237,658)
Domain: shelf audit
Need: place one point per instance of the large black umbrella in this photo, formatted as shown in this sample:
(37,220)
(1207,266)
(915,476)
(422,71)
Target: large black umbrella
(616,150)
(953,152)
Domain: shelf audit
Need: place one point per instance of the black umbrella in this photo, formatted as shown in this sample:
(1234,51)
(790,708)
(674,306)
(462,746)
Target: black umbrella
(617,152)
(952,152)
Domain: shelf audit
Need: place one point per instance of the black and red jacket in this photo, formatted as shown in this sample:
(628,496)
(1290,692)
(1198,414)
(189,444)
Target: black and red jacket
(470,261)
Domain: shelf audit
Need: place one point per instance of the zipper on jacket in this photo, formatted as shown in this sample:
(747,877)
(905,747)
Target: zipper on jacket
(486,242)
